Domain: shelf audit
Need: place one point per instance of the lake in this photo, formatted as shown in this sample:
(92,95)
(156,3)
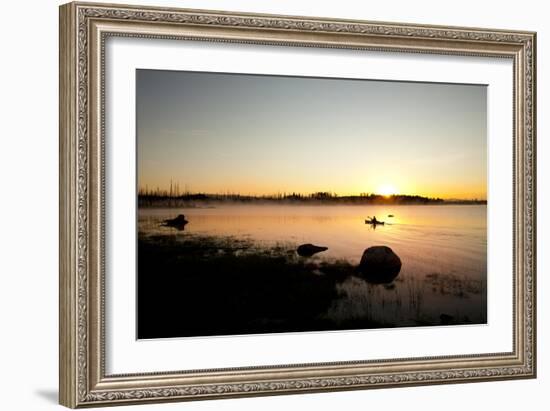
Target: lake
(443,250)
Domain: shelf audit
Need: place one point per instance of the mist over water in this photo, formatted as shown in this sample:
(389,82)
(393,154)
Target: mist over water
(446,238)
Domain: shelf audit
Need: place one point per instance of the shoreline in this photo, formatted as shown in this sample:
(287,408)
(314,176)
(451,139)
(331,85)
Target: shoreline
(213,204)
(222,285)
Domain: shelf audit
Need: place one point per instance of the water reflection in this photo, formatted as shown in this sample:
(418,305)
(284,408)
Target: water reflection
(450,237)
(442,248)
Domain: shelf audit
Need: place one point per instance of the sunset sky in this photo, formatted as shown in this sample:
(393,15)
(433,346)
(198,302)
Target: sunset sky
(253,134)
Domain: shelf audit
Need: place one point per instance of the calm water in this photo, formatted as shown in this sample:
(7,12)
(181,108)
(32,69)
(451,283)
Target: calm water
(443,249)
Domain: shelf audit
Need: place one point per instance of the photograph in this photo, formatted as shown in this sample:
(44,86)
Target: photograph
(263,202)
(272,204)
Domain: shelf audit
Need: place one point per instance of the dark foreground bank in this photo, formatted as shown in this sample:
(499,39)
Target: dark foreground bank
(203,286)
(220,286)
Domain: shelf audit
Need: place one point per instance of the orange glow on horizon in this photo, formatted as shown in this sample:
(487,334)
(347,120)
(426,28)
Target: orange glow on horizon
(387,190)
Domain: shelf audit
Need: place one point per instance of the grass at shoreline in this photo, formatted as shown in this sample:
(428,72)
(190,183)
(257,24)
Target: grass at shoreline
(215,286)
(191,285)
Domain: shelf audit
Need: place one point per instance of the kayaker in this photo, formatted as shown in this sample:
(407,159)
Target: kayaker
(374,220)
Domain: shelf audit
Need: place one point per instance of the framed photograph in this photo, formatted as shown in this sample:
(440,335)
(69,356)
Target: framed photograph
(260,204)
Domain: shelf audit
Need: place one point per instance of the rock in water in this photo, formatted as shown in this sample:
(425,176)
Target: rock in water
(179,222)
(307,250)
(379,265)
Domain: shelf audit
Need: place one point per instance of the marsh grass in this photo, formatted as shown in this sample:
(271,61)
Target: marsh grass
(191,285)
(404,302)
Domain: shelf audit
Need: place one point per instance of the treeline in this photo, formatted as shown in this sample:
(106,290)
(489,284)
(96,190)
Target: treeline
(172,198)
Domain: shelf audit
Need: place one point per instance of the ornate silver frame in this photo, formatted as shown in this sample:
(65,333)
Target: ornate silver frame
(83,30)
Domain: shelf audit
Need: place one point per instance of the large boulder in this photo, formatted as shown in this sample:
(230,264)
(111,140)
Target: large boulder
(307,250)
(379,265)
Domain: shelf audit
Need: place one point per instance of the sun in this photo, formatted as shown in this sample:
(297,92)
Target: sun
(386,190)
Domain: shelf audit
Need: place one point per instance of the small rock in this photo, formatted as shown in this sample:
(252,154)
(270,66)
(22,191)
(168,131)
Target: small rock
(307,250)
(179,222)
(379,265)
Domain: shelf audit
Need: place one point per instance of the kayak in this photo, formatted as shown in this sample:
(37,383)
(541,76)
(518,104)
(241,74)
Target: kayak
(374,222)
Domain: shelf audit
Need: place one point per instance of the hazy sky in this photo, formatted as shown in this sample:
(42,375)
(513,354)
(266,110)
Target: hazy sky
(252,134)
